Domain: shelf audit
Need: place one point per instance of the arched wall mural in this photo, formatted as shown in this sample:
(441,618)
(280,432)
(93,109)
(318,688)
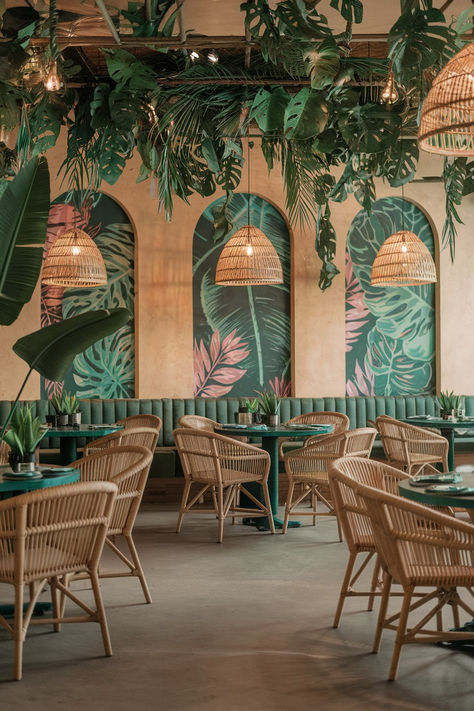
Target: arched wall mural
(106,369)
(242,335)
(390,331)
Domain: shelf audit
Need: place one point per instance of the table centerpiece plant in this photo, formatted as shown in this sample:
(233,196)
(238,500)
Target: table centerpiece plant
(449,404)
(269,404)
(253,406)
(23,436)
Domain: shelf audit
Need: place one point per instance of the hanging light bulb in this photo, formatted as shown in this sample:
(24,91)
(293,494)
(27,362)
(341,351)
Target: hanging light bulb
(53,80)
(213,57)
(249,249)
(194,56)
(389,93)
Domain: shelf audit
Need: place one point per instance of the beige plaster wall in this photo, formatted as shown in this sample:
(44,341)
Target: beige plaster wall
(164,336)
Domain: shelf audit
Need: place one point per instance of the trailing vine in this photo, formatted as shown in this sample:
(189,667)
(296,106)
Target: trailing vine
(188,121)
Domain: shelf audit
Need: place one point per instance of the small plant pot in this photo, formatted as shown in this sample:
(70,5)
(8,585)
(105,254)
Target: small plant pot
(20,463)
(51,420)
(445,415)
(75,419)
(257,418)
(62,420)
(273,420)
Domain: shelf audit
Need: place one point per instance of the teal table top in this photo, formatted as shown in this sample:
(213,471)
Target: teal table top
(439,423)
(83,431)
(419,493)
(280,431)
(48,478)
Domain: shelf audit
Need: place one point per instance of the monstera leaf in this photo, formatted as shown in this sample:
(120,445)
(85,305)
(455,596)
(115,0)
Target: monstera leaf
(323,63)
(306,114)
(351,10)
(51,350)
(400,162)
(107,368)
(268,109)
(369,128)
(396,373)
(23,219)
(115,243)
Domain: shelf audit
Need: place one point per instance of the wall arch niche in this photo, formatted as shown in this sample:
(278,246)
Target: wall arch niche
(390,331)
(242,335)
(107,368)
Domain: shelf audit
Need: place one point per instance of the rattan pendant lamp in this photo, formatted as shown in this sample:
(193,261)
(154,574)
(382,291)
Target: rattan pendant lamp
(249,258)
(74,260)
(403,260)
(447,117)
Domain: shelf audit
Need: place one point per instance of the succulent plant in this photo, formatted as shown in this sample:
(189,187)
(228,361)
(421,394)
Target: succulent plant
(269,402)
(25,431)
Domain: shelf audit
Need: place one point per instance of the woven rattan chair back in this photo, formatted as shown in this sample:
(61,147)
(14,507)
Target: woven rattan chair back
(46,535)
(419,547)
(409,447)
(338,420)
(133,421)
(136,437)
(128,467)
(197,422)
(223,466)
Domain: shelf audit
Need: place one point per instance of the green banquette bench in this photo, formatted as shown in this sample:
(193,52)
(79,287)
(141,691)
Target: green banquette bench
(166,463)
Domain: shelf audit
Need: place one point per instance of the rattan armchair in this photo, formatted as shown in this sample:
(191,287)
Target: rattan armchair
(197,422)
(137,436)
(356,525)
(410,448)
(308,466)
(128,467)
(420,547)
(224,467)
(134,421)
(338,420)
(45,536)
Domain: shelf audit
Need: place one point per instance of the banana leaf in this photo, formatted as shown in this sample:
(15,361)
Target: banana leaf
(51,350)
(24,210)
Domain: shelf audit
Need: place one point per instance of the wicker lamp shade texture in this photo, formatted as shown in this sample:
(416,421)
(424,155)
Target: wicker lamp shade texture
(249,259)
(74,260)
(447,117)
(403,260)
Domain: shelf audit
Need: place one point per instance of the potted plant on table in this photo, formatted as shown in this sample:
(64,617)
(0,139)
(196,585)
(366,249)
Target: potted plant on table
(23,436)
(449,404)
(253,408)
(270,406)
(67,411)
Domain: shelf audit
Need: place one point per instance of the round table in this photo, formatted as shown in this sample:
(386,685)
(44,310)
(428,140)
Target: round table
(10,487)
(419,493)
(269,437)
(446,427)
(68,437)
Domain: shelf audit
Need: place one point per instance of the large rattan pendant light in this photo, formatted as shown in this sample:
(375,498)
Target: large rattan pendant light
(403,260)
(74,260)
(447,117)
(248,258)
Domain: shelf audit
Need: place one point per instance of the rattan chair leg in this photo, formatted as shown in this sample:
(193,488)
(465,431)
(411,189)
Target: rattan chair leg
(138,566)
(184,501)
(18,632)
(387,585)
(401,629)
(344,587)
(101,618)
(55,603)
(374,583)
(289,499)
(455,608)
(266,497)
(220,513)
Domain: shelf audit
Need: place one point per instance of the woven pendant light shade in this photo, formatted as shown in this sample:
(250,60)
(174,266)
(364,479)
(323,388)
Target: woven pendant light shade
(249,258)
(74,260)
(403,260)
(447,117)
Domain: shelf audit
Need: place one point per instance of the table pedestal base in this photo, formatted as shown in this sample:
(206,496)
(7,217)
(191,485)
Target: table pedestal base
(261,524)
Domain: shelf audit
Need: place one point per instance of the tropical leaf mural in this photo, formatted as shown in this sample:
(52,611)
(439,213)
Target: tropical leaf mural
(106,369)
(390,331)
(241,334)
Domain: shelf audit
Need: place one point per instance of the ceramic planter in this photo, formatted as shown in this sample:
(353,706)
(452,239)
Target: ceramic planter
(75,419)
(62,420)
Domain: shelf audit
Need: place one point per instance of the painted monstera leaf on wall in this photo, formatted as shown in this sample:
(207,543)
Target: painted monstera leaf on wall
(107,368)
(241,334)
(390,331)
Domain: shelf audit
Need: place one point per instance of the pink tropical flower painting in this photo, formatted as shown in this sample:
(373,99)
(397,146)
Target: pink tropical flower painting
(356,309)
(280,386)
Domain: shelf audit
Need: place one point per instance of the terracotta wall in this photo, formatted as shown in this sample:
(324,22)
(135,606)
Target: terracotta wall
(164,291)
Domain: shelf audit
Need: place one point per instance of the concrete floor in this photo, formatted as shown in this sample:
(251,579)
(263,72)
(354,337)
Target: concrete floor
(241,626)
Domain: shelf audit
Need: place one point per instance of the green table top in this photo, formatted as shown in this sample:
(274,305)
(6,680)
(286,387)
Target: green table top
(22,485)
(280,431)
(419,493)
(83,431)
(439,422)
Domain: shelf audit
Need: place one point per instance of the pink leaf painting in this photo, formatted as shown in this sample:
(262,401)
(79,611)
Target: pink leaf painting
(356,309)
(212,375)
(280,386)
(362,383)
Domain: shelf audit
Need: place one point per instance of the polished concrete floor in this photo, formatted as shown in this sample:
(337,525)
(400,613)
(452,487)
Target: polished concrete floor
(241,626)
